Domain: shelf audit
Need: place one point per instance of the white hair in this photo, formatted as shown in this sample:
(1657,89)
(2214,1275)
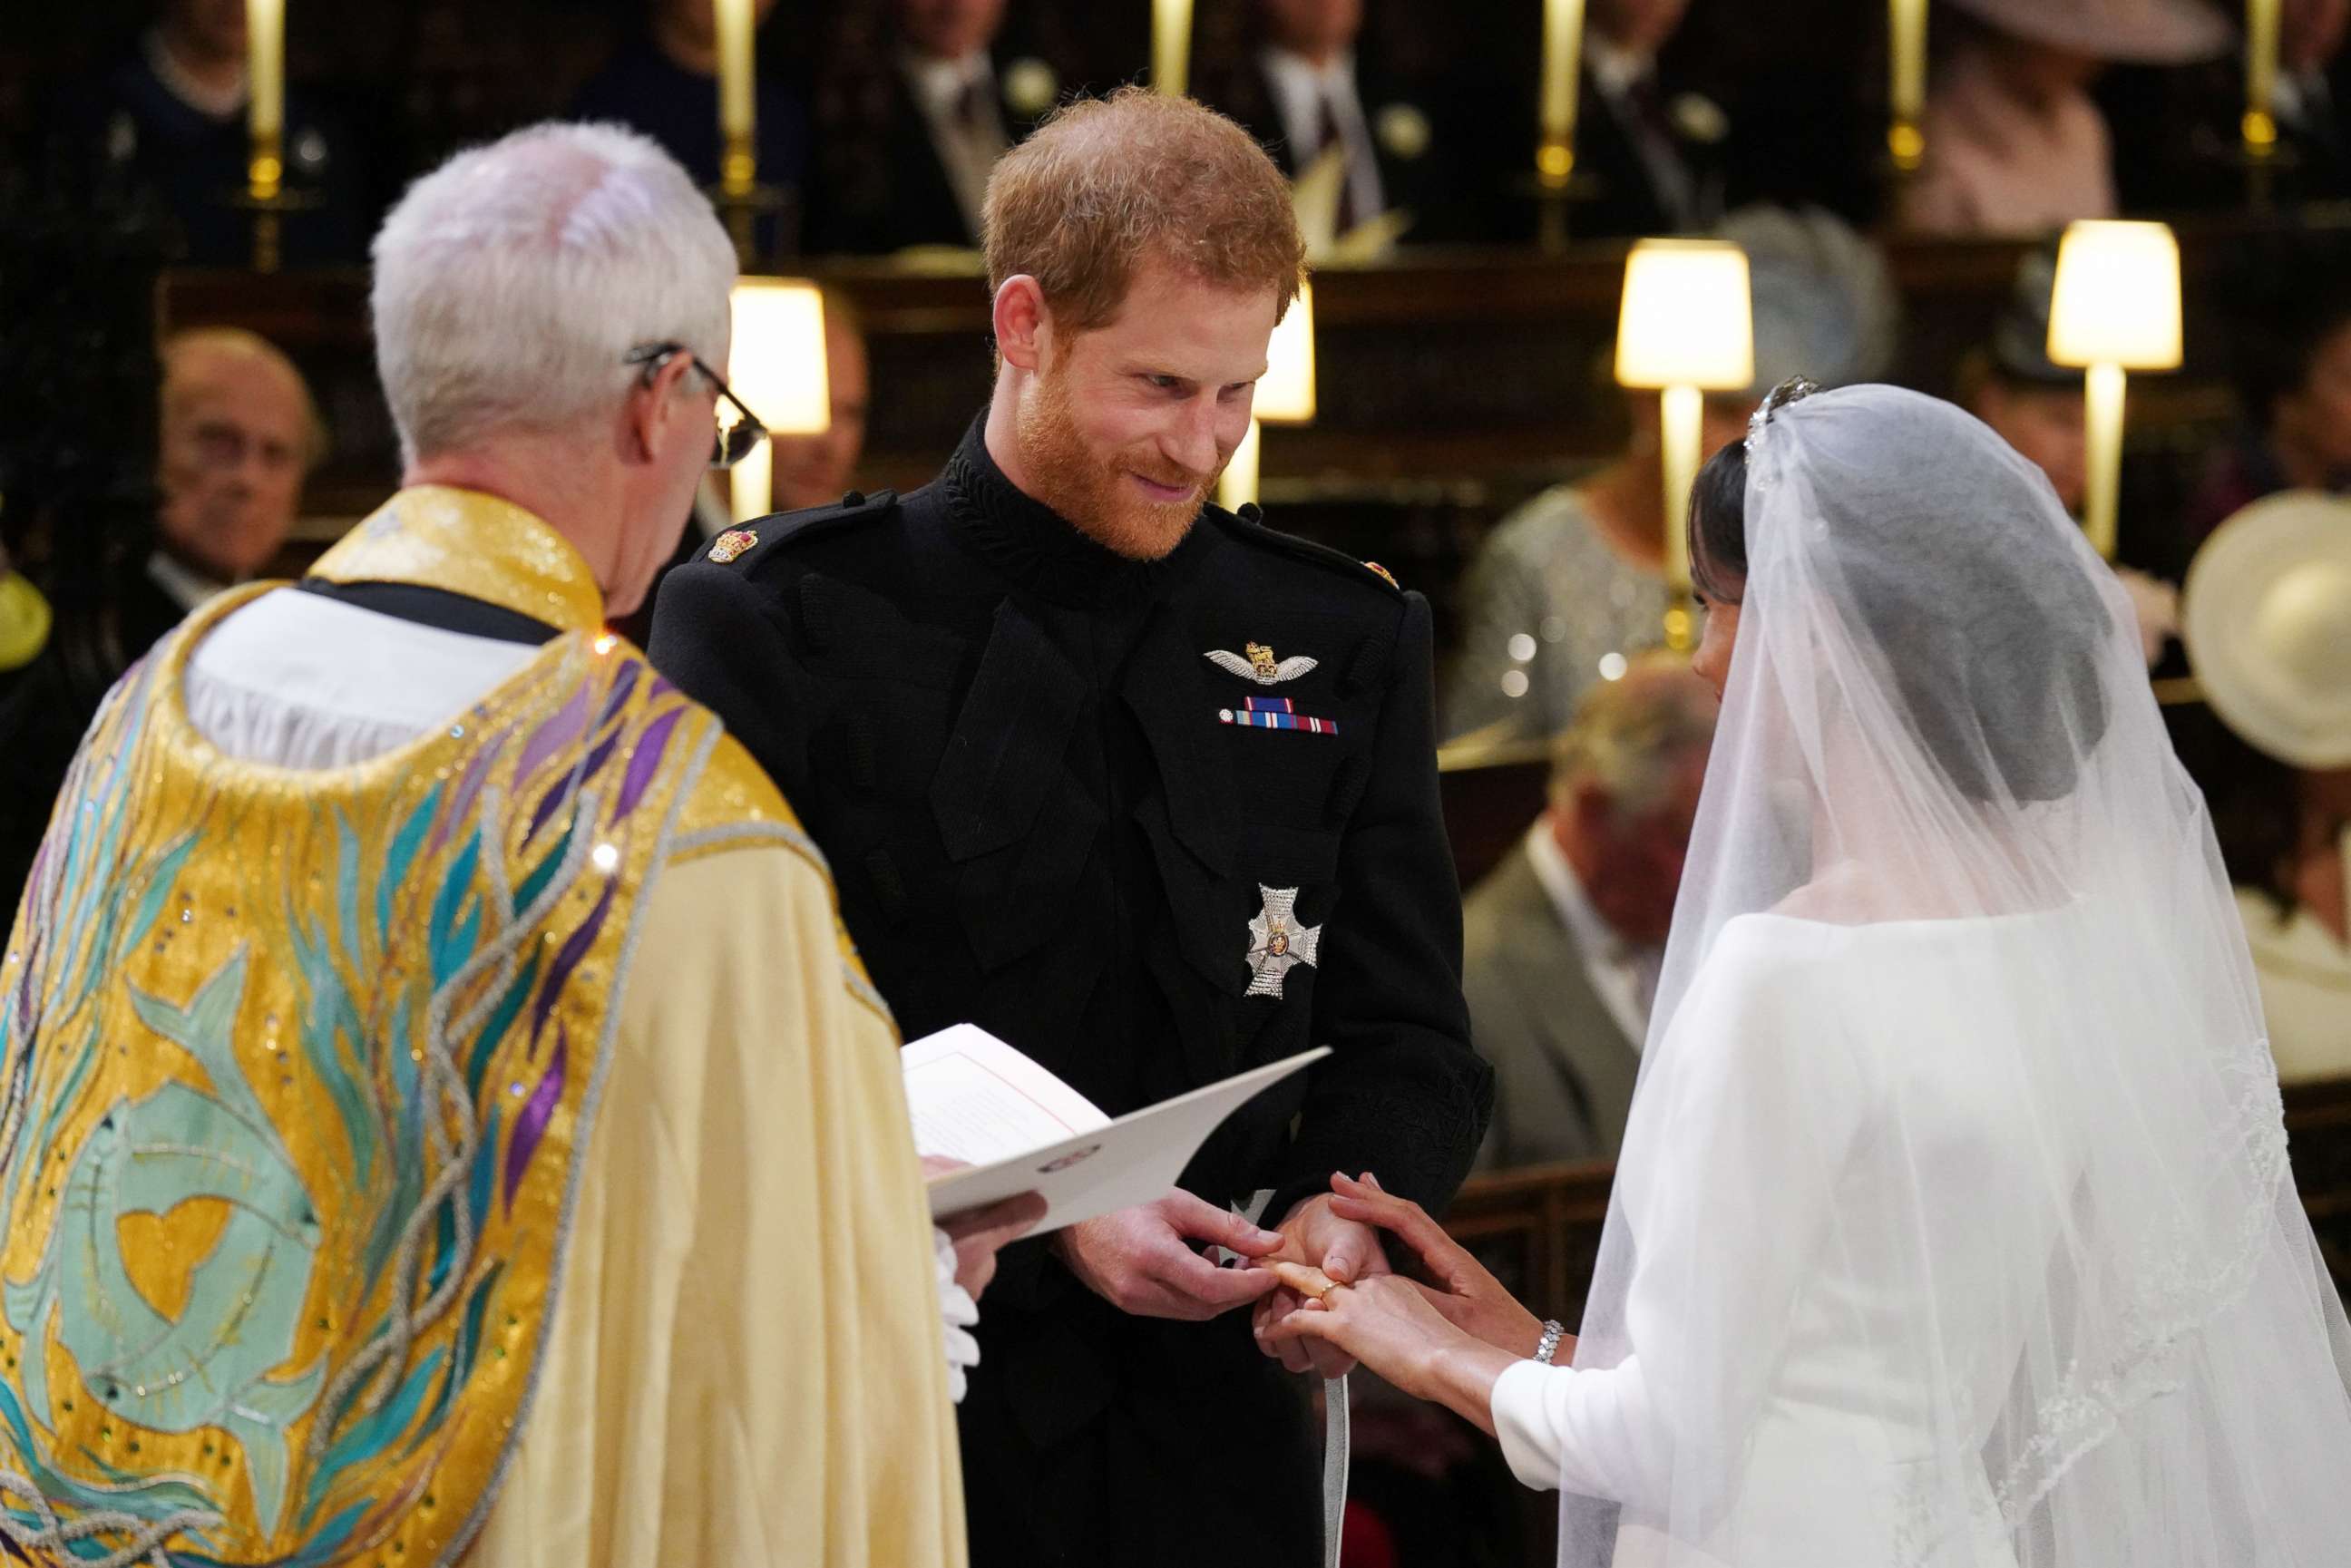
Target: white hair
(1631,734)
(512,282)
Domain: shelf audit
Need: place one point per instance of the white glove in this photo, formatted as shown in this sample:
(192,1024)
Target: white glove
(958,1314)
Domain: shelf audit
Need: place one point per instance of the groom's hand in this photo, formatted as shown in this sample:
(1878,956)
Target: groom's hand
(1344,1249)
(1141,1261)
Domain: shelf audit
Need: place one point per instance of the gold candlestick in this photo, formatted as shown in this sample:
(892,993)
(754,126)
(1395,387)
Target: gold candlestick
(1562,52)
(2260,77)
(738,165)
(1171,47)
(1907,95)
(265,42)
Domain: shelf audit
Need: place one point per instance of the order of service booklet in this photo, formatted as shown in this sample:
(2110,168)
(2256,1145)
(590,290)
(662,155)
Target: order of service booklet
(1020,1129)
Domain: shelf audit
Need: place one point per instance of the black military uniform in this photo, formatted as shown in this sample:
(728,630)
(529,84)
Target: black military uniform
(1053,811)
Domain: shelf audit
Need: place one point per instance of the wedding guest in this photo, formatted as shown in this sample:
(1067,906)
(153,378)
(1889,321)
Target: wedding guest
(2269,623)
(1312,86)
(2179,133)
(1652,149)
(169,119)
(663,79)
(1562,942)
(240,431)
(1571,585)
(2014,141)
(2293,357)
(813,469)
(904,142)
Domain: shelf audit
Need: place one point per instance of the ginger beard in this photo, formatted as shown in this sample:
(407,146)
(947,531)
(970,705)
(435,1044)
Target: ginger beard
(1090,488)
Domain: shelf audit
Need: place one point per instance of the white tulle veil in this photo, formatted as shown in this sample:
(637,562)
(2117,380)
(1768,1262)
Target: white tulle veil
(2115,1344)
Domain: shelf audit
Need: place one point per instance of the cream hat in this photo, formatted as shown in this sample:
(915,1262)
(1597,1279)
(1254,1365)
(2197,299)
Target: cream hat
(2136,32)
(2267,621)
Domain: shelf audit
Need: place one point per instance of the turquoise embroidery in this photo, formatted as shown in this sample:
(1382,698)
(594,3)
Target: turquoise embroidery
(212,1366)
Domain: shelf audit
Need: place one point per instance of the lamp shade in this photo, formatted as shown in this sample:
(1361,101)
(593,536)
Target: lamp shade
(2116,299)
(777,369)
(778,366)
(1285,394)
(1688,318)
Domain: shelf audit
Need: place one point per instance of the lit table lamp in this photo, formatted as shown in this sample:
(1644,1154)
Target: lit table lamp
(1905,40)
(1171,47)
(2115,307)
(1686,328)
(777,369)
(1285,395)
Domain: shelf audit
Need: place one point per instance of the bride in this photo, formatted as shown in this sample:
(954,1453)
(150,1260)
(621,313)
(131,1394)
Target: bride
(1953,1225)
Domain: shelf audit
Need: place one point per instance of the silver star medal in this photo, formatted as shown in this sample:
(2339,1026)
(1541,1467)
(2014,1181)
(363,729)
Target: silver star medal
(1277,941)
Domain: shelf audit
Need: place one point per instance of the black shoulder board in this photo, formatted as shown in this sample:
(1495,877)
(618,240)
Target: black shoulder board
(744,544)
(1248,525)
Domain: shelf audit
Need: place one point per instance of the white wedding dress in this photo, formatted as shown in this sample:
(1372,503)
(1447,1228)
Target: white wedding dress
(1952,1226)
(1853,1029)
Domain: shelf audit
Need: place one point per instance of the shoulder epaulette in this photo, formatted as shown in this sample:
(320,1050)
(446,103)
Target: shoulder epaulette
(744,544)
(1248,525)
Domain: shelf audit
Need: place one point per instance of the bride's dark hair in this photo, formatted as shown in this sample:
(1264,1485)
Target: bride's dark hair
(1994,653)
(1717,526)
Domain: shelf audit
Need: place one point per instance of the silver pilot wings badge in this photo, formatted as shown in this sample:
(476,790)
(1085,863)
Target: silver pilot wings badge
(1260,666)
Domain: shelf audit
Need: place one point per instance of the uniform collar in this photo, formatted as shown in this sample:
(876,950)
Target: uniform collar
(472,543)
(1033,545)
(181,583)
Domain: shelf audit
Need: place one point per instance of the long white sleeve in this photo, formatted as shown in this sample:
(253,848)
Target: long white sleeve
(1729,1220)
(1591,1430)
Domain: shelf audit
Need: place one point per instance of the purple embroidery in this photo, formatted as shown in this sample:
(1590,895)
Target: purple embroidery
(561,790)
(645,761)
(531,1125)
(568,959)
(624,681)
(566,725)
(461,804)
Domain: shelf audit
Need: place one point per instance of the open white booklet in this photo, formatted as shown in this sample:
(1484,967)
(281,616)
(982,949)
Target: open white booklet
(1020,1129)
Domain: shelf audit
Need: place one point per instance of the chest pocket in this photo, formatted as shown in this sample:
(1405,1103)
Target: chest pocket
(1012,819)
(1297,751)
(1009,741)
(852,635)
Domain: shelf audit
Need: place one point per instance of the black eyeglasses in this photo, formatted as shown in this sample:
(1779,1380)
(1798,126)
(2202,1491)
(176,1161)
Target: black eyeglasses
(736,437)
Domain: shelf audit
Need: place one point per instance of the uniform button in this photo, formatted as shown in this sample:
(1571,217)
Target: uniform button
(853,498)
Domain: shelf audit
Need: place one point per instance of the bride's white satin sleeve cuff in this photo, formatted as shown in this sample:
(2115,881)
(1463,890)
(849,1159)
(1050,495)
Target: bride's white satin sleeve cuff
(1587,1428)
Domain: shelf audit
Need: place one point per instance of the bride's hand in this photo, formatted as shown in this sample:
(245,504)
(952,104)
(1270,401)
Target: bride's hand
(1466,1295)
(1388,1322)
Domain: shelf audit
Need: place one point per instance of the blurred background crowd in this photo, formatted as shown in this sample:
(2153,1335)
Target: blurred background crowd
(186,400)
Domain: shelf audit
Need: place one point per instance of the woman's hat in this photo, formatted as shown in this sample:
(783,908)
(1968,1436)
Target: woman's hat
(2267,621)
(2133,32)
